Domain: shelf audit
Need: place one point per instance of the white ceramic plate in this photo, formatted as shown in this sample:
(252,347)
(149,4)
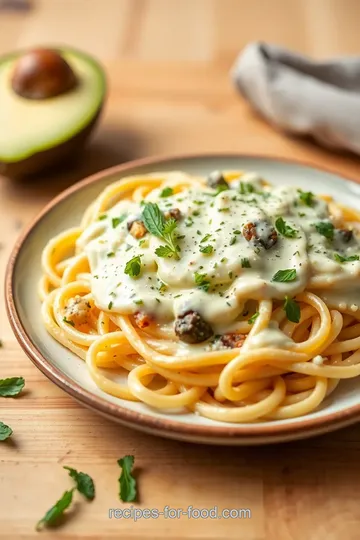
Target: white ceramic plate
(70,373)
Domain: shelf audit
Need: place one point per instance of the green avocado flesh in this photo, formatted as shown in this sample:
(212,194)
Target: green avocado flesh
(30,126)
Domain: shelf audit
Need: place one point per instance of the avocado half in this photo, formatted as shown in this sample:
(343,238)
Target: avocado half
(36,134)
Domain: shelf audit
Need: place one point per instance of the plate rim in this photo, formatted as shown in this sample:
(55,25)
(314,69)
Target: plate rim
(139,420)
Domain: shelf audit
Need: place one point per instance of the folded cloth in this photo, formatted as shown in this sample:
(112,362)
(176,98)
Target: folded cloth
(299,95)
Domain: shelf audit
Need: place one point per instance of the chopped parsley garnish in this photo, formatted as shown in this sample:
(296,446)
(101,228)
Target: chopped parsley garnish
(237,231)
(245,263)
(207,249)
(156,224)
(110,254)
(284,275)
(232,241)
(5,431)
(167,192)
(292,309)
(110,305)
(138,302)
(245,188)
(196,213)
(133,267)
(68,321)
(253,317)
(11,386)
(343,258)
(224,259)
(201,281)
(206,237)
(117,220)
(84,483)
(103,216)
(162,287)
(306,197)
(325,228)
(285,229)
(127,482)
(224,209)
(199,203)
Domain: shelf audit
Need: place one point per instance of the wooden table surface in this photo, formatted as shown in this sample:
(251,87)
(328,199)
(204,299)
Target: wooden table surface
(168,65)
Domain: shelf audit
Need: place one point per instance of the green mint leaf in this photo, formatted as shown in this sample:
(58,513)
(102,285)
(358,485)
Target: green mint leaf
(164,251)
(325,228)
(285,275)
(117,220)
(11,386)
(245,188)
(221,187)
(133,267)
(156,224)
(285,229)
(253,317)
(84,483)
(245,263)
(201,281)
(170,237)
(5,431)
(153,219)
(343,258)
(306,197)
(292,309)
(68,321)
(127,482)
(207,249)
(57,510)
(169,227)
(167,192)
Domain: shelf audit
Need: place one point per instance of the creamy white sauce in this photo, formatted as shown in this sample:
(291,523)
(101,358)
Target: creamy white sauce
(319,360)
(166,287)
(271,337)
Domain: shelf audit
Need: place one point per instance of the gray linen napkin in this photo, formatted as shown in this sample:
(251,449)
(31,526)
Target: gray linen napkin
(301,96)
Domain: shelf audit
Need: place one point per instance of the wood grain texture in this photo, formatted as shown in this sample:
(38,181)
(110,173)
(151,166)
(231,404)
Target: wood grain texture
(168,64)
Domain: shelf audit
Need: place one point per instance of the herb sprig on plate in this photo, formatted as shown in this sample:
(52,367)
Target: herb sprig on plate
(157,225)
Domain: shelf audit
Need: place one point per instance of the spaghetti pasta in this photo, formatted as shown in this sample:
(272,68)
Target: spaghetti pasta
(226,297)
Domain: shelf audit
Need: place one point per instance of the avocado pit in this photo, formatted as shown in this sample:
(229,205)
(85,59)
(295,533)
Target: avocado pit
(42,74)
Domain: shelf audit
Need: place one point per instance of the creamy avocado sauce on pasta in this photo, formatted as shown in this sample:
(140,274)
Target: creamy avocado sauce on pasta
(234,245)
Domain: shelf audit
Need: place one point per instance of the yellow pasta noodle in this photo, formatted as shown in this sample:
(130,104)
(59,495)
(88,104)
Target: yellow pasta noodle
(222,296)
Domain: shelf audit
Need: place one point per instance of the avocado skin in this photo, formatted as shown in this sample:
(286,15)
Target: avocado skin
(48,159)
